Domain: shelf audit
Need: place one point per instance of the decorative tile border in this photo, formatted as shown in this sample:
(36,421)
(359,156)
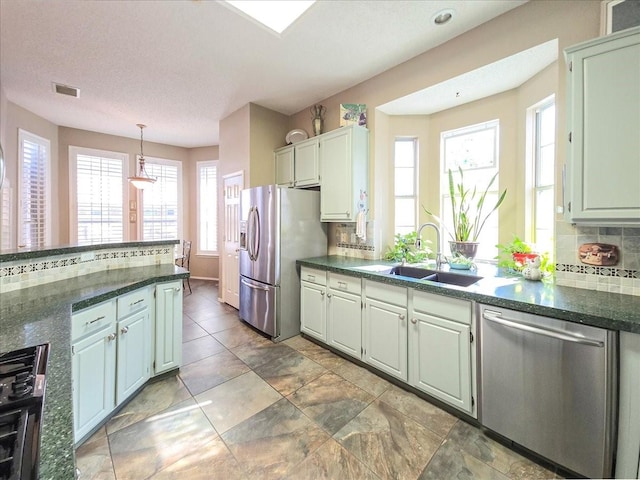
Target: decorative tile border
(37,271)
(604,279)
(594,270)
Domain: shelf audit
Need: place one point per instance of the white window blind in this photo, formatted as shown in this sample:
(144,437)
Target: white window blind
(34,191)
(161,214)
(208,207)
(544,165)
(99,184)
(5,215)
(405,178)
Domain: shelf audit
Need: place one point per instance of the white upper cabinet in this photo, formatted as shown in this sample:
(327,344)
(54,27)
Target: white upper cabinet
(298,165)
(284,166)
(603,162)
(344,155)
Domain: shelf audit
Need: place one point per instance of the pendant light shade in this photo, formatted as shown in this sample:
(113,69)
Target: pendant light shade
(141,180)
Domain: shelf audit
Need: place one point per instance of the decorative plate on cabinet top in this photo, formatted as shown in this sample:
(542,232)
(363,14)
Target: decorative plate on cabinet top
(295,136)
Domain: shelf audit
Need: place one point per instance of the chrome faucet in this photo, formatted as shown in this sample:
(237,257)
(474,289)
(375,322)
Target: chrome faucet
(438,250)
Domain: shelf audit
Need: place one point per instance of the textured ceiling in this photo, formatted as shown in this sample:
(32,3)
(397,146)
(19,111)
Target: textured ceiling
(182,66)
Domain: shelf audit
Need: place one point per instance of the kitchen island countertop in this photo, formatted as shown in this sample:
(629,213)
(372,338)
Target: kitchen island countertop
(42,314)
(608,310)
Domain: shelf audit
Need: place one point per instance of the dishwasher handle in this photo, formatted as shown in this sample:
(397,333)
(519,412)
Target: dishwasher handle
(496,317)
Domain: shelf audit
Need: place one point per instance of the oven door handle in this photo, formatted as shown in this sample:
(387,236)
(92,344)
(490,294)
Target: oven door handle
(567,337)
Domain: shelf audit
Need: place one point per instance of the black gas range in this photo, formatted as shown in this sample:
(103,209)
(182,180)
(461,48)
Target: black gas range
(22,387)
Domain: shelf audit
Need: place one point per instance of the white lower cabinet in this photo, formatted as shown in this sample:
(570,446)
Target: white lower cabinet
(313,315)
(423,339)
(93,366)
(344,307)
(385,328)
(441,349)
(111,348)
(133,365)
(168,327)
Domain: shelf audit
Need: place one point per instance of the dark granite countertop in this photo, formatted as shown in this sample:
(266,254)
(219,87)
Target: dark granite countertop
(613,311)
(26,253)
(41,314)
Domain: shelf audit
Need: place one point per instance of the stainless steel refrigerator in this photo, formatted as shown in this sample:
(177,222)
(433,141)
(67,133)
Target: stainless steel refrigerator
(277,227)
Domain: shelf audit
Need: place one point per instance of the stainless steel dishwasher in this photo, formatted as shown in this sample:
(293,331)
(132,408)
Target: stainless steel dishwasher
(550,386)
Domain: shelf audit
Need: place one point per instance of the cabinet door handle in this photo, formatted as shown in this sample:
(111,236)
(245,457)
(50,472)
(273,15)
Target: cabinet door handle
(401,317)
(177,289)
(124,330)
(414,321)
(136,302)
(322,294)
(94,321)
(328,295)
(111,337)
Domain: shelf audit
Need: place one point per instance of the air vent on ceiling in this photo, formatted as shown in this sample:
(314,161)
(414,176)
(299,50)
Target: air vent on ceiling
(66,90)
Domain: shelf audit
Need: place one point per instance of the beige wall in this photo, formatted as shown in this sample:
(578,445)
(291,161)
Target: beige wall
(533,23)
(3,116)
(268,132)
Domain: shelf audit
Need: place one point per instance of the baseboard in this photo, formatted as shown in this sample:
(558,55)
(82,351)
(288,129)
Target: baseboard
(205,278)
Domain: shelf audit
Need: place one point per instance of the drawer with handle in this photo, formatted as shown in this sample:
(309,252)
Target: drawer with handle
(311,275)
(133,302)
(345,283)
(92,319)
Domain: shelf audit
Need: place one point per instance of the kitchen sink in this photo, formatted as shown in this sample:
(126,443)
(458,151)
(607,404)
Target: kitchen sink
(413,272)
(453,278)
(449,278)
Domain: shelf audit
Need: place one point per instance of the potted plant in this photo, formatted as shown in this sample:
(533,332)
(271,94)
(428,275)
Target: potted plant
(405,249)
(468,219)
(514,256)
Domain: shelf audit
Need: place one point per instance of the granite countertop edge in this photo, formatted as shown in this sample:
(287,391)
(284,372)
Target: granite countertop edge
(42,314)
(608,310)
(67,249)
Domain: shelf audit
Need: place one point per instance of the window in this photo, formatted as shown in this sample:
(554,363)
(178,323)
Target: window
(405,178)
(207,207)
(162,202)
(34,191)
(98,185)
(475,150)
(543,213)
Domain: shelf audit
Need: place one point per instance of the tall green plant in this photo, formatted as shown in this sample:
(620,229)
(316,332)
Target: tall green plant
(468,222)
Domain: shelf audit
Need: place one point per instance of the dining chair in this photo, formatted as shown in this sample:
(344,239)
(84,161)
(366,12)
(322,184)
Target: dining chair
(184,260)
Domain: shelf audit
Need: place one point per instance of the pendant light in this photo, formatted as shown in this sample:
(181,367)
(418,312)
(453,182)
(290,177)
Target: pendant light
(142,180)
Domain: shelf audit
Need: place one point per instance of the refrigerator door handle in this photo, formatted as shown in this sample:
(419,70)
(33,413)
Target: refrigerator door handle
(256,232)
(251,233)
(255,287)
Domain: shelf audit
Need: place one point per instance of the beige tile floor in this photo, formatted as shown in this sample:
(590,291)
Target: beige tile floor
(243,407)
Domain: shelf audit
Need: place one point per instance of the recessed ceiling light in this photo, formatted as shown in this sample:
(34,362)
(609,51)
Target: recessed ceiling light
(276,15)
(443,16)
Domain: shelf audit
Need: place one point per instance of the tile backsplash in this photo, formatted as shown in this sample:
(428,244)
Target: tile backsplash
(343,241)
(36,271)
(621,278)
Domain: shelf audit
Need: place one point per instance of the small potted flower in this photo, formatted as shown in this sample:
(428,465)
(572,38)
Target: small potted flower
(513,256)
